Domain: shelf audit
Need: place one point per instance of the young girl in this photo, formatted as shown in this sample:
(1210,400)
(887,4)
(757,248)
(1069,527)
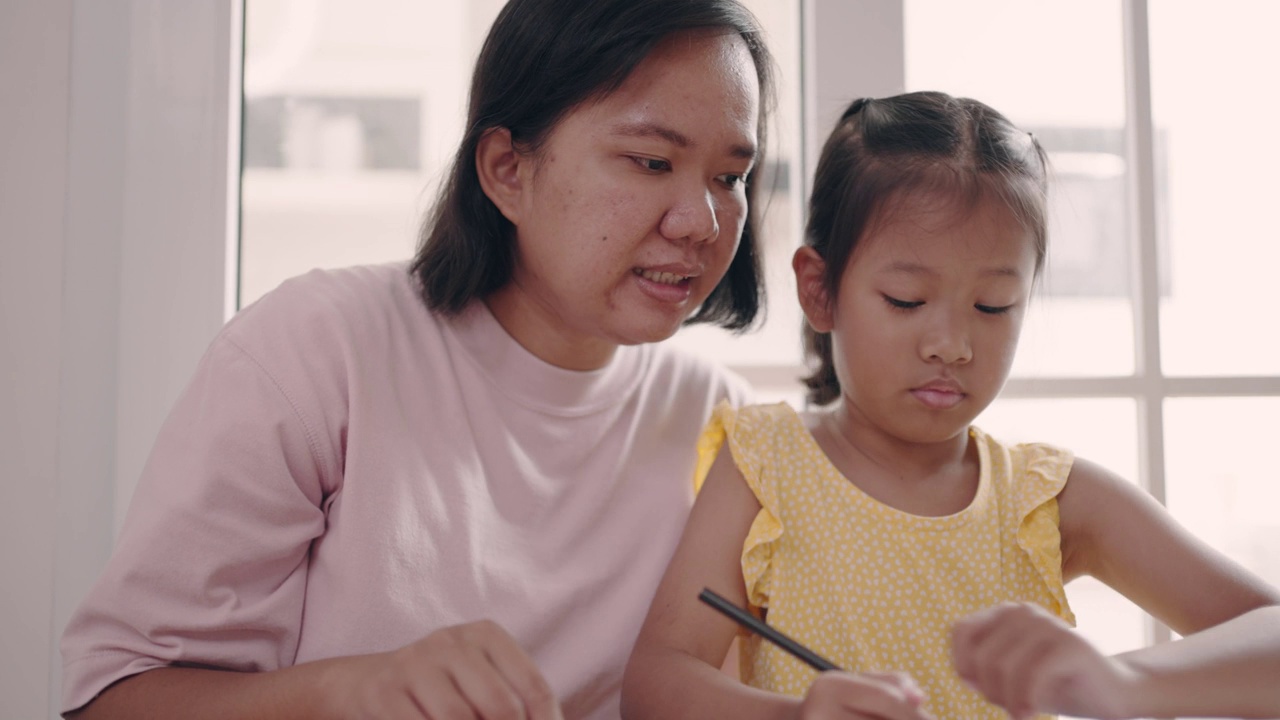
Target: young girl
(866,529)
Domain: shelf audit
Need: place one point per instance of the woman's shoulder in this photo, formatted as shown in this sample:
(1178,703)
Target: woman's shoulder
(329,308)
(355,292)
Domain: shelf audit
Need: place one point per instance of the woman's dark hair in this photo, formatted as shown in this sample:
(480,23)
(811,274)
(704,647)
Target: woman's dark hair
(923,143)
(541,59)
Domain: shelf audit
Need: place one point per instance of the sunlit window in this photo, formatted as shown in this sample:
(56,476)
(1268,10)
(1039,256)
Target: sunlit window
(352,111)
(1214,317)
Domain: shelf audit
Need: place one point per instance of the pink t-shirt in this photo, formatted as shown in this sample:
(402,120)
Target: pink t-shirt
(348,472)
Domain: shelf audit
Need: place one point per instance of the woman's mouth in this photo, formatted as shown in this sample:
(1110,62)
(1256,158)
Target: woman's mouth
(665,278)
(665,286)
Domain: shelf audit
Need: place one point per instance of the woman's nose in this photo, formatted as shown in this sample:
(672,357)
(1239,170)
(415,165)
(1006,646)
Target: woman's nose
(692,217)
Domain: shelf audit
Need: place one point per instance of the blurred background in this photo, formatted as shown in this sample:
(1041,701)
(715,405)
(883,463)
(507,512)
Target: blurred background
(169,164)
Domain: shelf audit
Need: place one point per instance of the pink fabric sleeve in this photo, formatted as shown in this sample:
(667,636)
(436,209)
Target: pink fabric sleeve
(212,565)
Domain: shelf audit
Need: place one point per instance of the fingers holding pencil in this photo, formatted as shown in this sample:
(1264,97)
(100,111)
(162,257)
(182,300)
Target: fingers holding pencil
(861,696)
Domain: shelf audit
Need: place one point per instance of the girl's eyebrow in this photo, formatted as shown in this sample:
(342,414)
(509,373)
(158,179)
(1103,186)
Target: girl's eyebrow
(906,267)
(675,137)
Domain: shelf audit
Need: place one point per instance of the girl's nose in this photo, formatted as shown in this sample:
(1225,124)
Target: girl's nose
(692,217)
(946,341)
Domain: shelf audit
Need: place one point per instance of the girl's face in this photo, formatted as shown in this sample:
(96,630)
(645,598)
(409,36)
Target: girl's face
(927,317)
(629,215)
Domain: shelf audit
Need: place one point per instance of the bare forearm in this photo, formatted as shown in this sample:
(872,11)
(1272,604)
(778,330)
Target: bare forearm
(1229,670)
(674,686)
(196,694)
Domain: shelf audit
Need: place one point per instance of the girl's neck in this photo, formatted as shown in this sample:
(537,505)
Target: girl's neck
(921,478)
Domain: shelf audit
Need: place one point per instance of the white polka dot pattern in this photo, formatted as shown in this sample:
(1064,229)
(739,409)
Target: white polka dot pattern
(873,588)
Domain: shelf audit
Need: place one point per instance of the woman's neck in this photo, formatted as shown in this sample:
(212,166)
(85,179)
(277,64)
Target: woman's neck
(545,335)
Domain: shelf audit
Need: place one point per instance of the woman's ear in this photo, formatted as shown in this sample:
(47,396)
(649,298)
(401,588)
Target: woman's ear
(498,164)
(811,286)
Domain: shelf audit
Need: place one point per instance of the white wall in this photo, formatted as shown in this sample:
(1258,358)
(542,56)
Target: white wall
(34,64)
(114,177)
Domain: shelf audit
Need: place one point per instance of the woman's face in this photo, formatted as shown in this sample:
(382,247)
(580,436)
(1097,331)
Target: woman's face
(629,215)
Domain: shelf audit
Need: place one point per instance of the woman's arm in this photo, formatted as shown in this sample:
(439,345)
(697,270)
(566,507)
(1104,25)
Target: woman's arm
(467,671)
(674,670)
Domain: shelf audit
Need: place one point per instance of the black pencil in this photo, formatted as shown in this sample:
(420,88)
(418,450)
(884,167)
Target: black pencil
(749,621)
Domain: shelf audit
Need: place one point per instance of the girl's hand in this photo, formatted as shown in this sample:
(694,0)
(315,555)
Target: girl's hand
(1028,661)
(462,672)
(863,696)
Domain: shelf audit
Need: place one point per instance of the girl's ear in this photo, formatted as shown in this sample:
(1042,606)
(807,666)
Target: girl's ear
(499,165)
(811,286)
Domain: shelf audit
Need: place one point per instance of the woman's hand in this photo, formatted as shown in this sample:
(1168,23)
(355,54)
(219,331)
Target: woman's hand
(1028,661)
(465,672)
(862,696)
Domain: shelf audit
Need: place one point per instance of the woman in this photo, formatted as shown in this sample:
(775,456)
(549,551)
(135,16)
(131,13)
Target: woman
(448,491)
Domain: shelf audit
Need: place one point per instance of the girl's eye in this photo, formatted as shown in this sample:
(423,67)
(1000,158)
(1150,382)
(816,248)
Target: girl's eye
(651,164)
(993,309)
(902,304)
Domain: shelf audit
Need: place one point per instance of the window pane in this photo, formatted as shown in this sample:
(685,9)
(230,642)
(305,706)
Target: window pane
(1106,432)
(1073,101)
(1222,480)
(1213,99)
(352,110)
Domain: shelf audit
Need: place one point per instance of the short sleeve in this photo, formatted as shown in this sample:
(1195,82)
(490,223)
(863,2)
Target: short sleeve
(1043,476)
(748,432)
(211,566)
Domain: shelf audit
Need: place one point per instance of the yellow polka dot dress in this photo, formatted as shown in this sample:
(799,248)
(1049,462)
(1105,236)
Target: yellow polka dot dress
(873,588)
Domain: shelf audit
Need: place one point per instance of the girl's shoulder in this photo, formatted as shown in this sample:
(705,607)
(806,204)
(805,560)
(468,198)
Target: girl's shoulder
(760,423)
(760,437)
(1021,463)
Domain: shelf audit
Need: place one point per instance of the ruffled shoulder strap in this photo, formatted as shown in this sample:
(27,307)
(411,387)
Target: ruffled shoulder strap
(1039,473)
(751,433)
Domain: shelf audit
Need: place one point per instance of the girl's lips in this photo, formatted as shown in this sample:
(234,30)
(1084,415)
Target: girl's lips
(938,398)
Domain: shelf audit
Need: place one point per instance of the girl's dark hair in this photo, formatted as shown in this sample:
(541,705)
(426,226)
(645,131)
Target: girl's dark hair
(923,143)
(541,59)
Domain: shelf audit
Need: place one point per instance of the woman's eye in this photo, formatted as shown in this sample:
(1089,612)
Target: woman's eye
(651,164)
(993,309)
(733,180)
(902,304)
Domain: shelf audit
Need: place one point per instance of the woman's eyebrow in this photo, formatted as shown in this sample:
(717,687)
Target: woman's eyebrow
(675,137)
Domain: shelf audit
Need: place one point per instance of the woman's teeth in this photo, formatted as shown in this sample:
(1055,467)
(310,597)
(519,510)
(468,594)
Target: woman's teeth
(665,278)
